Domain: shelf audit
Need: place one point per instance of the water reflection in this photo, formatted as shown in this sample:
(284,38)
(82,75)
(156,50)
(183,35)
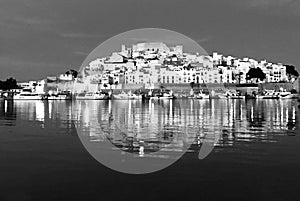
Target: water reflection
(149,126)
(7,113)
(153,125)
(46,114)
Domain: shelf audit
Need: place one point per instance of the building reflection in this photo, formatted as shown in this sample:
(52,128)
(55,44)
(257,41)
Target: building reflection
(152,125)
(7,113)
(46,113)
(157,124)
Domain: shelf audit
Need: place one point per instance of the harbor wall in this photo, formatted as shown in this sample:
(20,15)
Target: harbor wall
(277,86)
(176,88)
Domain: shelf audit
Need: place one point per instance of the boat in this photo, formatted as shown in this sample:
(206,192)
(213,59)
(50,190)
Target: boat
(269,94)
(59,96)
(133,96)
(288,95)
(91,96)
(218,95)
(235,95)
(163,94)
(28,96)
(126,96)
(202,96)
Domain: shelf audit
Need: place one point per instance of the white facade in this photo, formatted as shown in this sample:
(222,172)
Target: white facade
(150,63)
(41,87)
(66,77)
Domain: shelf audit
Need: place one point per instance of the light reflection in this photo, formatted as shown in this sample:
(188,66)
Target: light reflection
(152,125)
(40,111)
(181,122)
(5,106)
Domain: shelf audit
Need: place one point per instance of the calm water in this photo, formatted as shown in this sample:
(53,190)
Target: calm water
(158,123)
(41,152)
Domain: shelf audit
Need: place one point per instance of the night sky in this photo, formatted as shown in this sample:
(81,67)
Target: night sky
(48,37)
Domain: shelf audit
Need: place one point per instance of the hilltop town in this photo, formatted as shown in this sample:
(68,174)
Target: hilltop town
(144,65)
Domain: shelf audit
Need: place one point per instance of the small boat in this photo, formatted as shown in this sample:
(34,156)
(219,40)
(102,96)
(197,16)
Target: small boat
(222,96)
(163,95)
(218,95)
(235,95)
(133,96)
(121,96)
(288,95)
(269,95)
(127,96)
(28,96)
(202,96)
(91,96)
(59,96)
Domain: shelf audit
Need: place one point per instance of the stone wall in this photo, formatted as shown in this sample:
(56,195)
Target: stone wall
(276,86)
(176,88)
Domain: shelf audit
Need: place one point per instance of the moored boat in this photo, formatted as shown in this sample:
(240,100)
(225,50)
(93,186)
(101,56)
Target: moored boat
(218,95)
(269,94)
(235,95)
(202,96)
(28,96)
(91,96)
(163,94)
(134,97)
(59,97)
(288,95)
(126,96)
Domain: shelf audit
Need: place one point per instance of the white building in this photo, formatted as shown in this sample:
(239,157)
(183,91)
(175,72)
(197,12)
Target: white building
(150,63)
(41,87)
(66,77)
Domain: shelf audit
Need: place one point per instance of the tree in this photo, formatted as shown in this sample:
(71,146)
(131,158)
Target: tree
(294,91)
(110,81)
(192,84)
(256,73)
(237,76)
(224,63)
(240,76)
(291,72)
(74,73)
(10,83)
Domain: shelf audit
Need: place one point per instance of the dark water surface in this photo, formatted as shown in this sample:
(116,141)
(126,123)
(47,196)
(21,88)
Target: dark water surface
(256,157)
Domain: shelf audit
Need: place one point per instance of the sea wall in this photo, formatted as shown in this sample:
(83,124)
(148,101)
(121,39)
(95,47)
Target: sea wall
(276,86)
(176,88)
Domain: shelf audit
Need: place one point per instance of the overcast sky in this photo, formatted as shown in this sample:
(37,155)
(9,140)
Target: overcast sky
(47,37)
